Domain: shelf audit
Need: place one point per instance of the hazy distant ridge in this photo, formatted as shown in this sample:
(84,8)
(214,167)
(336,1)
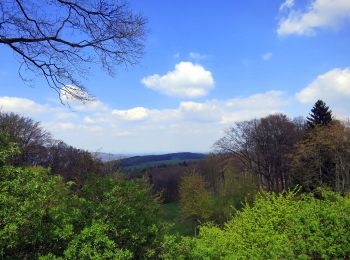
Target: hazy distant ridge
(137,160)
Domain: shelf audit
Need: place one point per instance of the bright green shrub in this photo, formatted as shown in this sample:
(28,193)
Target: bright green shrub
(133,217)
(275,227)
(7,148)
(37,216)
(94,243)
(40,217)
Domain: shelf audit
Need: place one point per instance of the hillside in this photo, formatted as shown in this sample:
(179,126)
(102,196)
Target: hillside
(152,160)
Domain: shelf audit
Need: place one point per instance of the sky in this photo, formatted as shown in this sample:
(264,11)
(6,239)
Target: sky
(207,65)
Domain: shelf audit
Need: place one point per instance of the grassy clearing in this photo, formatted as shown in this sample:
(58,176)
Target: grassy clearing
(172,215)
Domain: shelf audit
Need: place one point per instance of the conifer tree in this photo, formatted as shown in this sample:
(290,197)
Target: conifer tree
(320,115)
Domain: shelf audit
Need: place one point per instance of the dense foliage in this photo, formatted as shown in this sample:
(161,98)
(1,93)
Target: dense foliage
(285,226)
(195,200)
(40,216)
(214,190)
(323,158)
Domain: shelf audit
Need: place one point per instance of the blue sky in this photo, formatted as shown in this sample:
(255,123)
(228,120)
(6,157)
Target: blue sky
(207,64)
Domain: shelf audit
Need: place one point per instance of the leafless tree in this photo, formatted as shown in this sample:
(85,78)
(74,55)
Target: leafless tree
(37,148)
(59,39)
(265,147)
(31,138)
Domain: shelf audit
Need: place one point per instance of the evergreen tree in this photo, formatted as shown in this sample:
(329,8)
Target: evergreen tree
(320,115)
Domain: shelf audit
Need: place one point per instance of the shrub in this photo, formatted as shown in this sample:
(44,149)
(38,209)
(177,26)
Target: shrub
(275,227)
(37,214)
(40,217)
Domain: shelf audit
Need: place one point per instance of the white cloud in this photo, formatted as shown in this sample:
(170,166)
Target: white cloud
(267,56)
(134,114)
(209,111)
(22,106)
(255,106)
(187,80)
(193,106)
(333,85)
(287,4)
(95,105)
(190,126)
(319,14)
(270,99)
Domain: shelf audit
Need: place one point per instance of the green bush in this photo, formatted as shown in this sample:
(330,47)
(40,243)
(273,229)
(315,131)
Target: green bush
(274,227)
(94,243)
(131,212)
(40,217)
(37,214)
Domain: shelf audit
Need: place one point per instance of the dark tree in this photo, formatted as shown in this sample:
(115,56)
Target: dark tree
(58,39)
(30,137)
(264,147)
(323,158)
(320,115)
(37,148)
(72,164)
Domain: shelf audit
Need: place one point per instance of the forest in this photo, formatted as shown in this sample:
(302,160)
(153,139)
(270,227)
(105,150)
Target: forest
(272,188)
(217,83)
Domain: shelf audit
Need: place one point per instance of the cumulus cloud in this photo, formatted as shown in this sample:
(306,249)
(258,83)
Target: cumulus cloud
(333,85)
(20,105)
(319,14)
(186,80)
(134,114)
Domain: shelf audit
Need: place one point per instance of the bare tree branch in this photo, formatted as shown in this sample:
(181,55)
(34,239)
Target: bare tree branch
(58,39)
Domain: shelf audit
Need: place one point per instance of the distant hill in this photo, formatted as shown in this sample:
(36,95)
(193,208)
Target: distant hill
(153,160)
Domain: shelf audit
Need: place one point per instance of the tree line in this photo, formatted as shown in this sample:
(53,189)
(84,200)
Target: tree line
(38,148)
(272,154)
(283,153)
